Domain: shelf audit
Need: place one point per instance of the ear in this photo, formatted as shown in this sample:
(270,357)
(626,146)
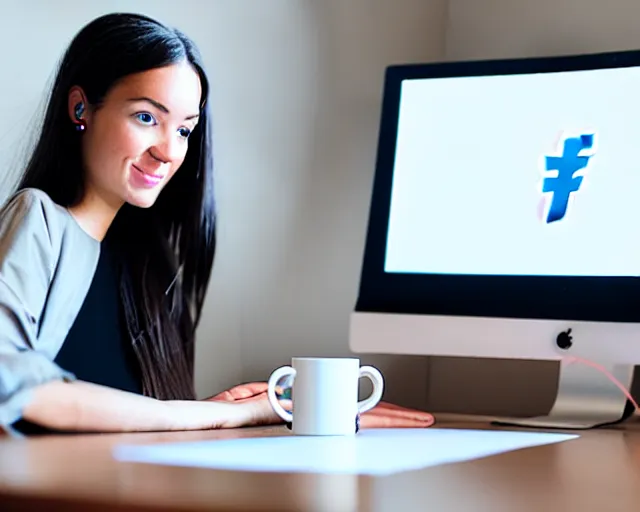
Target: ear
(77,97)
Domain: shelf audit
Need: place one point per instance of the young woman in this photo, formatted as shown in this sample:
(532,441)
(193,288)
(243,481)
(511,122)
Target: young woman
(107,245)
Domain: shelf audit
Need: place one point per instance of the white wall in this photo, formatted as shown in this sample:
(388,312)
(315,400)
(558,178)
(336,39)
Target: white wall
(296,95)
(479,29)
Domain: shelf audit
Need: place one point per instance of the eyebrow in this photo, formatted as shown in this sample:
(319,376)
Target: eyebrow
(160,106)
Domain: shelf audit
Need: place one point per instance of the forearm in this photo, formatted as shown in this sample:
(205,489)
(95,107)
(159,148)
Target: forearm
(81,406)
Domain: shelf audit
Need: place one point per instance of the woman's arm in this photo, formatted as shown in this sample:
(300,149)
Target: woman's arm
(32,386)
(81,406)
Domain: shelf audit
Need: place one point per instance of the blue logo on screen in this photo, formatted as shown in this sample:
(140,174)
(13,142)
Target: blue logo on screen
(575,155)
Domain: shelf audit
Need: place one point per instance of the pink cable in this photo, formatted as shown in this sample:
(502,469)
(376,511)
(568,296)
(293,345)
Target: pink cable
(574,359)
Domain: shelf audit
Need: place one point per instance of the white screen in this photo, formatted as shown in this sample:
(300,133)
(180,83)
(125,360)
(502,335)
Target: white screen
(467,186)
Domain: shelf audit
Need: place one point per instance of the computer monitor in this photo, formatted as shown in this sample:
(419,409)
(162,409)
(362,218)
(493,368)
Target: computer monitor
(503,221)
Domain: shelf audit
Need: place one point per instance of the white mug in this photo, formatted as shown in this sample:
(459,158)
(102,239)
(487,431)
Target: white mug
(325,394)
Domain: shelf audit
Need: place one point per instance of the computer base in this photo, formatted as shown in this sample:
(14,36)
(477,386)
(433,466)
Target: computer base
(586,399)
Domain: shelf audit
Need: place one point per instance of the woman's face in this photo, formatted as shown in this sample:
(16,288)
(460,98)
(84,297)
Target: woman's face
(137,139)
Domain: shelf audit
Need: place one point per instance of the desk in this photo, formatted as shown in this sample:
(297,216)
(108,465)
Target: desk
(598,472)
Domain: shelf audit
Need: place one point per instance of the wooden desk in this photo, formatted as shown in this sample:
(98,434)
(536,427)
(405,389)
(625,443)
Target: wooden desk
(598,472)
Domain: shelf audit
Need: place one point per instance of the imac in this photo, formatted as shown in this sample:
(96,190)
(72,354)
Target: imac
(504,222)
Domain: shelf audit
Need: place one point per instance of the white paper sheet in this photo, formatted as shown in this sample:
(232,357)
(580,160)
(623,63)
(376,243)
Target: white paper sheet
(372,452)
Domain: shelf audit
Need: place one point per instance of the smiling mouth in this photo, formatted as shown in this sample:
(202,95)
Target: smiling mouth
(149,176)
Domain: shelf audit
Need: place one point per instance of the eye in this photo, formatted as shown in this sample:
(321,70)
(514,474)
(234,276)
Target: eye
(146,118)
(184,132)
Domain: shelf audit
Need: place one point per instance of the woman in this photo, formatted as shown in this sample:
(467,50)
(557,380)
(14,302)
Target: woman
(107,246)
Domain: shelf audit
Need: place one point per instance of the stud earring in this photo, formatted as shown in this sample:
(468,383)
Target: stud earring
(80,123)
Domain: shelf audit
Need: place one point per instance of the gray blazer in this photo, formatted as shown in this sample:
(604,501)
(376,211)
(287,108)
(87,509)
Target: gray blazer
(47,263)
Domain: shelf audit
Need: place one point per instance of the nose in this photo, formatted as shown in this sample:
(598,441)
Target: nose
(168,148)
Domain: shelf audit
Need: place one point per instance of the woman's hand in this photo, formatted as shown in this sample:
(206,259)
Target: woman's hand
(241,392)
(252,398)
(384,415)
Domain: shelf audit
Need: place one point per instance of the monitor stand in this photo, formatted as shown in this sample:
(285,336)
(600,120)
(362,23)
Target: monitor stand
(586,398)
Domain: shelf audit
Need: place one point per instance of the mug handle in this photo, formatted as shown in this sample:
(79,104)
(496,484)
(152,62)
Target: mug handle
(378,385)
(271,391)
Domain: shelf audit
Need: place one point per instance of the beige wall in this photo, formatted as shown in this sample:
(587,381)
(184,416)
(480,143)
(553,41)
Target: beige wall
(518,28)
(297,300)
(479,29)
(296,100)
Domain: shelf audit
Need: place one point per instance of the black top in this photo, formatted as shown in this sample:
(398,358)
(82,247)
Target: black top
(98,347)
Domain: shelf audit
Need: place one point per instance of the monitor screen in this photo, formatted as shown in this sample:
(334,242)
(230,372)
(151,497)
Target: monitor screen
(525,174)
(508,188)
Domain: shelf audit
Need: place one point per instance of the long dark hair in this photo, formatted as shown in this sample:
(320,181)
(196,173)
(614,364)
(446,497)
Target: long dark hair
(166,250)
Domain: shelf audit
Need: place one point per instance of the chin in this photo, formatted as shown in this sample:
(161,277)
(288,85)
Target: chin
(142,200)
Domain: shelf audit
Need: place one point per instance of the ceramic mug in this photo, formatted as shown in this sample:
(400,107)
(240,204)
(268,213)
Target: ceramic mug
(325,394)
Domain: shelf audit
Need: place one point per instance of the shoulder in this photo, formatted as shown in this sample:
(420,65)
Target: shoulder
(32,228)
(32,211)
(30,201)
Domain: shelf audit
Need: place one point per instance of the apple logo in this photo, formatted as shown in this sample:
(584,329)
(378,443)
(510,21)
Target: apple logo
(564,340)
